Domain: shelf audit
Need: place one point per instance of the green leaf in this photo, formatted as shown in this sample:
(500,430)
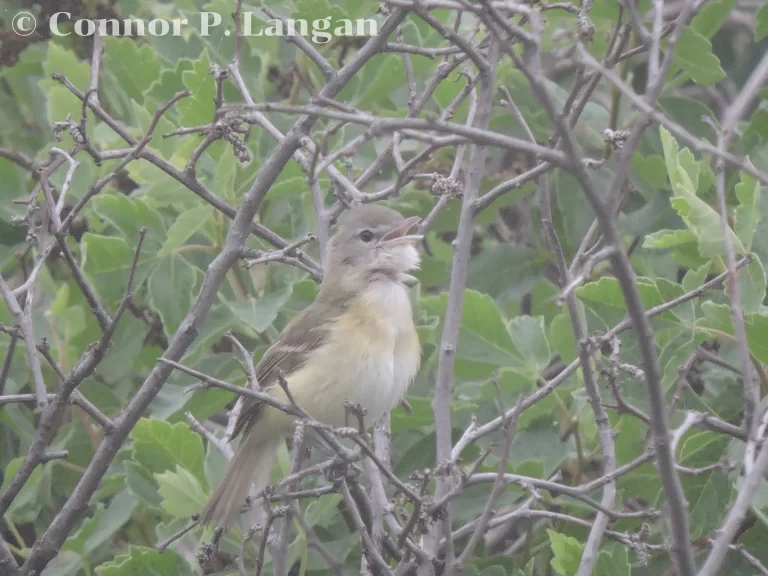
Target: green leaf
(695,278)
(561,335)
(668,239)
(184,227)
(169,83)
(609,10)
(718,317)
(181,493)
(58,99)
(126,345)
(145,562)
(687,161)
(160,446)
(389,72)
(320,511)
(258,314)
(226,173)
(317,10)
(494,570)
(285,187)
(100,527)
(590,126)
(107,262)
(106,253)
(694,55)
(607,292)
(26,505)
(140,483)
(122,56)
(699,216)
(761,30)
(693,115)
(752,284)
(615,563)
(197,109)
(505,271)
(712,17)
(758,123)
(171,287)
(420,416)
(530,339)
(483,336)
(575,215)
(708,495)
(650,168)
(537,438)
(129,216)
(747,214)
(566,552)
(708,510)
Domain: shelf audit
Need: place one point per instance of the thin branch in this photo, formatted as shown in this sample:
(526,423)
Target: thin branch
(221,446)
(381,443)
(23,319)
(735,516)
(192,184)
(98,52)
(73,164)
(7,562)
(369,548)
(508,428)
(19,159)
(7,360)
(104,180)
(484,65)
(302,44)
(447,351)
(733,114)
(312,541)
(697,144)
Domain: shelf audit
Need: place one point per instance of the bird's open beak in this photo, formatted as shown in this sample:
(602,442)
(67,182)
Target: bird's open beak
(399,234)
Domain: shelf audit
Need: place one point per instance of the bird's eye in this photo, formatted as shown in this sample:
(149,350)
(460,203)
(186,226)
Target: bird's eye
(366,235)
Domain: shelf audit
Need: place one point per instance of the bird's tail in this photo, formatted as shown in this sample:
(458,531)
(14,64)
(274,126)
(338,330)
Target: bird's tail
(251,465)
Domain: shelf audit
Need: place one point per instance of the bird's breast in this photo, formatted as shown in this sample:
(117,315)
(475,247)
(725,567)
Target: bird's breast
(371,357)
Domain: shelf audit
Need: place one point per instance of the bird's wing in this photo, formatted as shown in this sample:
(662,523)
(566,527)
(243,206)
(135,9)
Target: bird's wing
(306,332)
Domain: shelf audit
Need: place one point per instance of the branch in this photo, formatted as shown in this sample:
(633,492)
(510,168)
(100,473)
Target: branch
(189,181)
(508,428)
(409,126)
(441,403)
(696,143)
(733,114)
(369,548)
(735,516)
(221,446)
(5,370)
(302,44)
(23,319)
(381,443)
(7,561)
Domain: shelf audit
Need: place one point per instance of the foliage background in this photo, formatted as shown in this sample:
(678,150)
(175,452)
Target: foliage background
(514,333)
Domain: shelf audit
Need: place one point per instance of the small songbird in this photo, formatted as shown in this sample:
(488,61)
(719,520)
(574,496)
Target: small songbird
(356,343)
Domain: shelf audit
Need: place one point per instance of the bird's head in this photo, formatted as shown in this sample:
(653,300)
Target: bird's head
(373,244)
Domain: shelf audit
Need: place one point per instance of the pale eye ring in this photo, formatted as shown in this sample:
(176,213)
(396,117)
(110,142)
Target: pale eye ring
(366,236)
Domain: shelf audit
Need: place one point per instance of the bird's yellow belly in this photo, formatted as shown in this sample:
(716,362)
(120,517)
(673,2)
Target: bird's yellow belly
(370,359)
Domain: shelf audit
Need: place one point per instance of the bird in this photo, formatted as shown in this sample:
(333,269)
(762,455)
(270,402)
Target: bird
(355,344)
